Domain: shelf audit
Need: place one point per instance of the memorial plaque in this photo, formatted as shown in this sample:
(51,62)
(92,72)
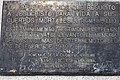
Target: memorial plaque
(60,37)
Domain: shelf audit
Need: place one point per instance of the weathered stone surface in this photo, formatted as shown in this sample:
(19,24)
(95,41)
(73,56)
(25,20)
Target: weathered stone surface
(60,37)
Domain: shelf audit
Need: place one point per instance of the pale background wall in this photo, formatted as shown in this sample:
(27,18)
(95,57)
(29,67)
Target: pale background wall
(54,77)
(60,78)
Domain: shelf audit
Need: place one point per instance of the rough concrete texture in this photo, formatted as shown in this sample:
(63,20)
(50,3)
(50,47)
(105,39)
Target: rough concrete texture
(60,78)
(56,77)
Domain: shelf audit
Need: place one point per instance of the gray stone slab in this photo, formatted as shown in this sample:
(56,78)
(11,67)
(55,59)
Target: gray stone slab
(60,37)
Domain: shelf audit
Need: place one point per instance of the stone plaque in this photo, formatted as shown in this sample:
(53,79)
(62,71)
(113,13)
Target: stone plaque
(60,37)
